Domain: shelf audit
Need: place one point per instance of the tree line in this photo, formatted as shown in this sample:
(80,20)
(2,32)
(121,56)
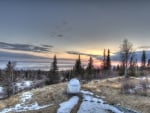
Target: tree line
(128,67)
(78,71)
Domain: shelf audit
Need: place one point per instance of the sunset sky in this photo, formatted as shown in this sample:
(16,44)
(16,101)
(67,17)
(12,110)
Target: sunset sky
(33,29)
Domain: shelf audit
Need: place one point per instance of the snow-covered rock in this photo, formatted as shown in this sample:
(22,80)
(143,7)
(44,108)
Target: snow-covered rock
(73,86)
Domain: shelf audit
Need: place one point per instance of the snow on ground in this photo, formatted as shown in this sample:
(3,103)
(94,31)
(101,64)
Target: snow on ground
(28,83)
(25,104)
(26,96)
(67,106)
(23,85)
(1,89)
(86,92)
(93,104)
(2,92)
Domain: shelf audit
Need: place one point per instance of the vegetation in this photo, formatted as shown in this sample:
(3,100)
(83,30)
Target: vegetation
(78,69)
(125,55)
(53,74)
(143,60)
(90,69)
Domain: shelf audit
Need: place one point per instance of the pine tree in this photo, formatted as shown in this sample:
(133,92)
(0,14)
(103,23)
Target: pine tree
(143,60)
(90,69)
(54,67)
(104,61)
(78,70)
(53,74)
(10,77)
(148,64)
(108,61)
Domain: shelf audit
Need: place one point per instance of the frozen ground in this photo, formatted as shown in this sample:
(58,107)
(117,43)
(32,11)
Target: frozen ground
(24,104)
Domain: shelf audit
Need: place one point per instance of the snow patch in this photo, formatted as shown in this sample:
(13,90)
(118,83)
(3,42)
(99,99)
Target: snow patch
(23,106)
(26,96)
(1,89)
(93,104)
(67,106)
(86,92)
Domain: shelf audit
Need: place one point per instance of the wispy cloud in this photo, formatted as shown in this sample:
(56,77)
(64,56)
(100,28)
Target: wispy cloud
(25,47)
(86,54)
(144,47)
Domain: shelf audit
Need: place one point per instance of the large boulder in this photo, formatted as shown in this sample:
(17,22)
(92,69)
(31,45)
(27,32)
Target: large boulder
(73,86)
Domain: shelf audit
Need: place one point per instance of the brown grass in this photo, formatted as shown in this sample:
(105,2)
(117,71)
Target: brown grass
(111,89)
(53,94)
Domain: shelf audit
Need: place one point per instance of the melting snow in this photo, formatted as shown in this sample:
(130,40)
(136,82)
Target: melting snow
(67,106)
(23,106)
(95,105)
(26,96)
(86,92)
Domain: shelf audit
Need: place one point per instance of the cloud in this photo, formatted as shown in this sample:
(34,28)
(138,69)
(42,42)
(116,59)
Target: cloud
(86,54)
(5,56)
(144,47)
(25,47)
(29,62)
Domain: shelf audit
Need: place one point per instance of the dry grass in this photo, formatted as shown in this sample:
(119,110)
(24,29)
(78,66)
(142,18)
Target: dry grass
(111,88)
(53,94)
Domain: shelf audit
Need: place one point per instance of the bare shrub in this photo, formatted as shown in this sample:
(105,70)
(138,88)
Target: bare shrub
(127,86)
(144,86)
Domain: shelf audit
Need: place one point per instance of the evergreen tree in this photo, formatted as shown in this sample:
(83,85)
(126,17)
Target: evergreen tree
(104,66)
(90,69)
(54,67)
(78,70)
(143,60)
(148,64)
(118,67)
(53,74)
(10,78)
(108,61)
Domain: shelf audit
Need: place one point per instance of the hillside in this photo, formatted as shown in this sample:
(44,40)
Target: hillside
(47,99)
(50,95)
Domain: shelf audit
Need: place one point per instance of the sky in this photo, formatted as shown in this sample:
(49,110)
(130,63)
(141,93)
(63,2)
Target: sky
(36,30)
